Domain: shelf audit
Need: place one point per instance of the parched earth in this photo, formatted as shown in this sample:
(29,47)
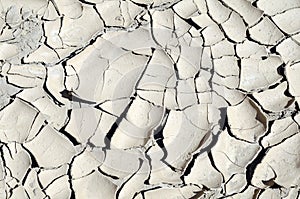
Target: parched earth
(149,99)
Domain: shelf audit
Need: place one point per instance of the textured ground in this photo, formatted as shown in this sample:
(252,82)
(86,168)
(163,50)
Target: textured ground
(103,99)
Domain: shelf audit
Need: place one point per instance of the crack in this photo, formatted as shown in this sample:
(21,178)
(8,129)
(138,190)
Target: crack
(124,183)
(71,138)
(107,175)
(134,15)
(34,163)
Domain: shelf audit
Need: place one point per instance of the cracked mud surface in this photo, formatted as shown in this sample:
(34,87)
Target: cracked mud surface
(149,99)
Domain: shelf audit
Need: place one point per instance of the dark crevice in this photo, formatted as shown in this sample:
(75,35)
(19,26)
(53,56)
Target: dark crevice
(159,138)
(230,133)
(112,130)
(208,148)
(209,154)
(107,175)
(87,3)
(147,181)
(70,137)
(189,167)
(259,193)
(25,176)
(34,163)
(273,50)
(256,193)
(252,166)
(248,36)
(70,178)
(197,195)
(254,3)
(57,102)
(70,95)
